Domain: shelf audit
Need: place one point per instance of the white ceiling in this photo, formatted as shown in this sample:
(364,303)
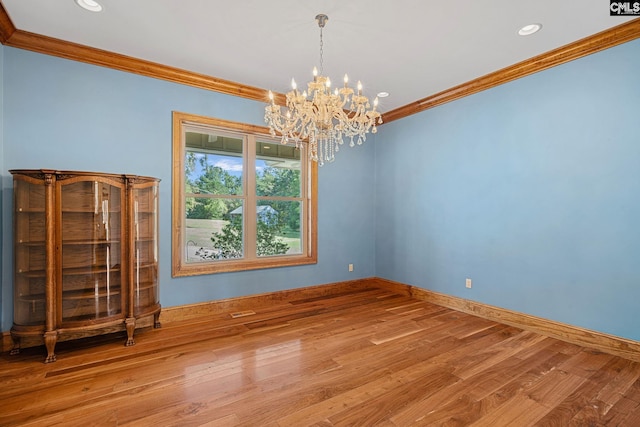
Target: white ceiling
(409,48)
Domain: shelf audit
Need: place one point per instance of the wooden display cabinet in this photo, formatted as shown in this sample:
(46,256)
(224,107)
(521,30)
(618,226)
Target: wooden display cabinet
(86,255)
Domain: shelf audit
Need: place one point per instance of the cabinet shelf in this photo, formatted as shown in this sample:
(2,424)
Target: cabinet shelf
(75,271)
(144,286)
(77,295)
(95,269)
(31,299)
(31,274)
(91,242)
(69,278)
(90,294)
(31,242)
(97,317)
(91,211)
(20,210)
(144,265)
(92,269)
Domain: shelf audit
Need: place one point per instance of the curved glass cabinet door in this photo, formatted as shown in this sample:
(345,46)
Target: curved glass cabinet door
(29,252)
(91,250)
(146,295)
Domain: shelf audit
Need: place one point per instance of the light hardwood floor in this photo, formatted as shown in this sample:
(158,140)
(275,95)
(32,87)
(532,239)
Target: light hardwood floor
(365,357)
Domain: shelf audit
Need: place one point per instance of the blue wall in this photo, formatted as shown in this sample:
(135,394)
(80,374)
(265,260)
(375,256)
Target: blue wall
(65,115)
(531,189)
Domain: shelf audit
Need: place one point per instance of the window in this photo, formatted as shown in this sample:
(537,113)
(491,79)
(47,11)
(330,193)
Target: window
(241,199)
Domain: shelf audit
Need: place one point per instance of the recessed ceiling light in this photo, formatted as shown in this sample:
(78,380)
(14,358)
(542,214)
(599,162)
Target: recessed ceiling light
(527,30)
(90,5)
(383,94)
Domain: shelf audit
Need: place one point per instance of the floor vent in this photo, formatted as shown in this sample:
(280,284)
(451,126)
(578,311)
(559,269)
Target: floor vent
(242,314)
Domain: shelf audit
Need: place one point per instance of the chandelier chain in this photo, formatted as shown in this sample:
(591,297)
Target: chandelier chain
(321,53)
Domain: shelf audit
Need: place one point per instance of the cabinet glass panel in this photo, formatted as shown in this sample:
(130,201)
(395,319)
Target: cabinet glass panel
(91,250)
(145,235)
(29,229)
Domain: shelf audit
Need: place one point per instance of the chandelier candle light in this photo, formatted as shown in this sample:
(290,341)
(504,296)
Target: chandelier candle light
(323,117)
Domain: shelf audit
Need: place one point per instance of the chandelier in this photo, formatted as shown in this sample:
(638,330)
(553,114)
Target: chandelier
(322,117)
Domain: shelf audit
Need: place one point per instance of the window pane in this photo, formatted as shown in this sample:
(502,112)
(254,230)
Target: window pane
(278,228)
(213,229)
(213,164)
(277,170)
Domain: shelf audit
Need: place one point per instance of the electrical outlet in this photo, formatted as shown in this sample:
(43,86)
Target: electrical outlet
(350,267)
(468,283)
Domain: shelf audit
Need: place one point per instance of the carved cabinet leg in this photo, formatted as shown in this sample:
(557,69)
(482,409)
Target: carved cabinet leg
(50,339)
(16,345)
(156,321)
(130,324)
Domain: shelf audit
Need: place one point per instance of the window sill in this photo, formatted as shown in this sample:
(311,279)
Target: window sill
(193,269)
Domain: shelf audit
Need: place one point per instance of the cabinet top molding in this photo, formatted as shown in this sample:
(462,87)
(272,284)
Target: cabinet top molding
(65,173)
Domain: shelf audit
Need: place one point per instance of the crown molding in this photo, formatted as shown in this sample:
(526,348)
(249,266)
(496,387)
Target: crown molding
(10,36)
(6,26)
(76,52)
(600,41)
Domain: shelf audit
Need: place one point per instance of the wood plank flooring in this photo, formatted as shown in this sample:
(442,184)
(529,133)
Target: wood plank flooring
(361,358)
